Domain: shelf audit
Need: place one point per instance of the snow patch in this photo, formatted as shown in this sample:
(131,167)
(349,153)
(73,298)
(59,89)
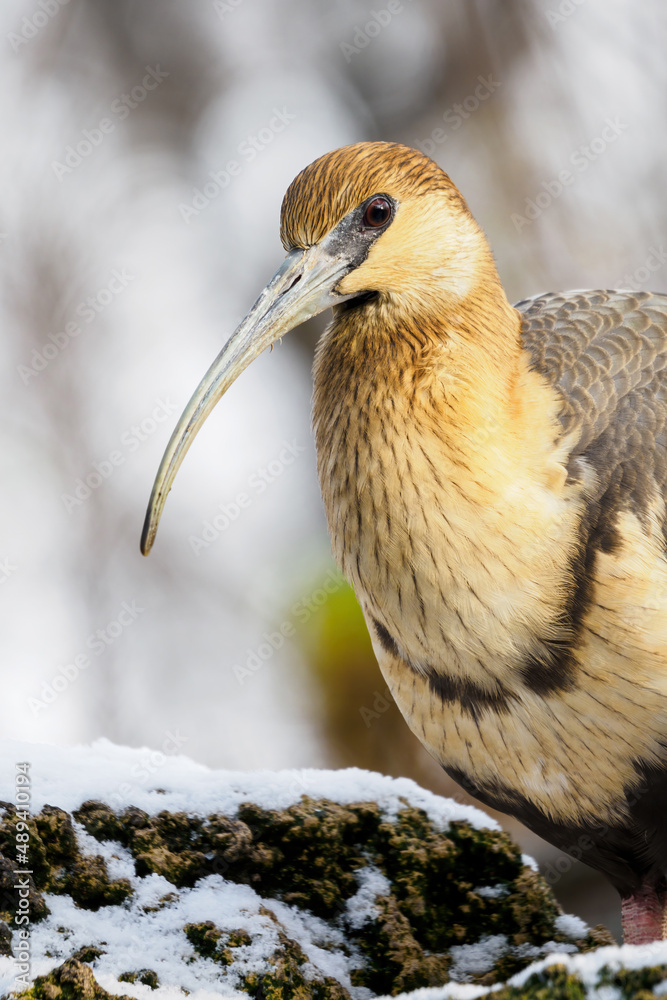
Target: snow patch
(476,959)
(118,859)
(361,907)
(68,776)
(492,891)
(571,926)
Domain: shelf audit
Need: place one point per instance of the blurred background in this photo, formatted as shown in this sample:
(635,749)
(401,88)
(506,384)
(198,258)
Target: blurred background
(146,147)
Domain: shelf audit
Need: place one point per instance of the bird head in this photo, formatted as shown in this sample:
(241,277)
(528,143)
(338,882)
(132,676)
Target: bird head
(367,221)
(391,217)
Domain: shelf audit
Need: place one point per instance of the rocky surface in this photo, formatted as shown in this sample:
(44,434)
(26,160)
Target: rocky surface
(282,895)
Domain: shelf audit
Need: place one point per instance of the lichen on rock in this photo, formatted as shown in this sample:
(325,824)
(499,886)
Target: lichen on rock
(58,865)
(334,898)
(73,980)
(337,885)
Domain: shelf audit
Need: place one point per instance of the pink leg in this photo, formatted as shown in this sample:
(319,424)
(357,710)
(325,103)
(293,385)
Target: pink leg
(644,916)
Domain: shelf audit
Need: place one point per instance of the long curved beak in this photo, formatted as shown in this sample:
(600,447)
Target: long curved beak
(301,288)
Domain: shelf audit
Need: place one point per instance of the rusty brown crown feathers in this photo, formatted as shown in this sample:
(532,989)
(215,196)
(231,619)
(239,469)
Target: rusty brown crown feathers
(330,187)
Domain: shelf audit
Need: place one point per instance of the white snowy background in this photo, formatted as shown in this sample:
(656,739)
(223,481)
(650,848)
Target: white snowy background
(269,86)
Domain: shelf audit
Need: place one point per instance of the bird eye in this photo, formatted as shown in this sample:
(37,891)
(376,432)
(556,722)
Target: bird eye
(378,213)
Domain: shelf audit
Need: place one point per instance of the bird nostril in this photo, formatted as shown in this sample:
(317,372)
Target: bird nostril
(297,279)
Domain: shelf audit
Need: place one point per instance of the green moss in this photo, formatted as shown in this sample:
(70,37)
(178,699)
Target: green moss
(57,864)
(286,979)
(9,860)
(9,899)
(396,960)
(307,856)
(88,883)
(168,845)
(434,877)
(56,833)
(203,937)
(5,939)
(597,937)
(88,954)
(210,942)
(635,984)
(104,824)
(73,980)
(145,976)
(310,856)
(554,983)
(163,901)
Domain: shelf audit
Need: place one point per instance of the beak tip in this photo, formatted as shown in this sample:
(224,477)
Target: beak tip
(147,536)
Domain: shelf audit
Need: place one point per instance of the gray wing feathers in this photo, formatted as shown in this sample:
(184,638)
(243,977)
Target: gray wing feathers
(606,353)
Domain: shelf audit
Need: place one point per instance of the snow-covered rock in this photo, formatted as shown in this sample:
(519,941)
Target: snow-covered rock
(152,876)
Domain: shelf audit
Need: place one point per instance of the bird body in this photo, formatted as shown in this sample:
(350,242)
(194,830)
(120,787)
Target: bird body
(494,479)
(463,541)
